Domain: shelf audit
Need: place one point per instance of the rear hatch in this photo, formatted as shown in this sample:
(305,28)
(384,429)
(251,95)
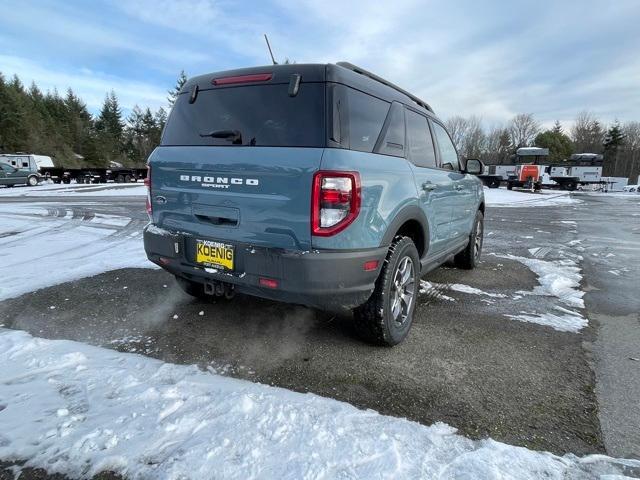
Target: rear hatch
(237,163)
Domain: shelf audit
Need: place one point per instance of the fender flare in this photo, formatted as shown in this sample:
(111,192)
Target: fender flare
(410,212)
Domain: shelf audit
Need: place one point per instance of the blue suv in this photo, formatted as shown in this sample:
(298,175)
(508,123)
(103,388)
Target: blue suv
(320,185)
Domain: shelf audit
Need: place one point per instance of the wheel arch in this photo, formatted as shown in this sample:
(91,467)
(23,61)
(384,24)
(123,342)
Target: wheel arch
(411,222)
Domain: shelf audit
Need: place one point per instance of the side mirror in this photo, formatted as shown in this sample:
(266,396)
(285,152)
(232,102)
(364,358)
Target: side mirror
(474,166)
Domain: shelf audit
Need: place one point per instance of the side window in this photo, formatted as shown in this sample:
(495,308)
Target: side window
(392,143)
(361,117)
(448,154)
(421,152)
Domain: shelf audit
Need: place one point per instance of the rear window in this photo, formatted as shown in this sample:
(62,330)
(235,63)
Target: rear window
(259,115)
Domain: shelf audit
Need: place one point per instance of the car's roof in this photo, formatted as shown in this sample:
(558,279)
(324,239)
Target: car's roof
(314,72)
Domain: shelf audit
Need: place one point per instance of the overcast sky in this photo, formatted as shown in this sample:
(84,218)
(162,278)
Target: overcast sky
(492,59)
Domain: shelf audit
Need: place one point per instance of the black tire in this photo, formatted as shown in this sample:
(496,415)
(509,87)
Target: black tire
(32,181)
(127,179)
(509,186)
(119,179)
(468,258)
(194,289)
(571,186)
(375,320)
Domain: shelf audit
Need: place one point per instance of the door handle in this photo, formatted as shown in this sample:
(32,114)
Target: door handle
(427,187)
(458,187)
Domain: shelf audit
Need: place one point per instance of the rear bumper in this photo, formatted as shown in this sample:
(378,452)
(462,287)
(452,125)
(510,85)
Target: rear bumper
(329,280)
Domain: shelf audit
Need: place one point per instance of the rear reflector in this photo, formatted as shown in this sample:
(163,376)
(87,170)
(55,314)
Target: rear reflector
(256,77)
(268,282)
(370,265)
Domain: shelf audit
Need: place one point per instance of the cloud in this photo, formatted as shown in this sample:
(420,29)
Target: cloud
(91,86)
(488,59)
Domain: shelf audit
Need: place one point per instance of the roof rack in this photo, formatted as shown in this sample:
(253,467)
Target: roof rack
(373,76)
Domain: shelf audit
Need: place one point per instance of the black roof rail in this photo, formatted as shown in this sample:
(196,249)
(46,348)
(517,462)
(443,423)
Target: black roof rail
(373,76)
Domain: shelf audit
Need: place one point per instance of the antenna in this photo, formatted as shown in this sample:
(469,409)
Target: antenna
(269,47)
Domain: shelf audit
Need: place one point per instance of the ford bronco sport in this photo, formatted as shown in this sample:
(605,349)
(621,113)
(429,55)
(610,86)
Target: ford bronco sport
(320,185)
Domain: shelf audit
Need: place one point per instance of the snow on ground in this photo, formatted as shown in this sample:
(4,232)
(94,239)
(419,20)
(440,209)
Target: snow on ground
(567,322)
(78,410)
(459,287)
(557,278)
(434,290)
(82,190)
(501,197)
(37,250)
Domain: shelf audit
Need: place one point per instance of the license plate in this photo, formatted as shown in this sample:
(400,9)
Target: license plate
(214,254)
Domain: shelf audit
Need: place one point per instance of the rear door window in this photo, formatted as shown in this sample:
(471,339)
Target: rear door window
(256,115)
(448,153)
(357,118)
(421,151)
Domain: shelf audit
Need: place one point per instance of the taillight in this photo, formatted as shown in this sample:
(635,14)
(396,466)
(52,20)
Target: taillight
(147,183)
(335,201)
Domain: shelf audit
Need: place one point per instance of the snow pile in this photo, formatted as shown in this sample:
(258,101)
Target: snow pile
(501,197)
(46,251)
(78,410)
(558,278)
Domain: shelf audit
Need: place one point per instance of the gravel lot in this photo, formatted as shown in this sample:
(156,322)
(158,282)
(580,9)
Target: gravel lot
(465,362)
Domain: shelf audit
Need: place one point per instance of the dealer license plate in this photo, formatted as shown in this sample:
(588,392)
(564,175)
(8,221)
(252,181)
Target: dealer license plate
(214,254)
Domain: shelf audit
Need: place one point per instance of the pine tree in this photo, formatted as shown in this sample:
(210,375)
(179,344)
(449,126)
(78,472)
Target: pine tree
(559,145)
(557,127)
(614,137)
(505,147)
(612,143)
(173,93)
(110,129)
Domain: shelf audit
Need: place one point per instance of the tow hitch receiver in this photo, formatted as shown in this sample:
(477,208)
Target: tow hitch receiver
(219,289)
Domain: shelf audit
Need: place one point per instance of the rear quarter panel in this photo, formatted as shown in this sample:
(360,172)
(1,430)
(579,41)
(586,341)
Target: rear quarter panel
(387,187)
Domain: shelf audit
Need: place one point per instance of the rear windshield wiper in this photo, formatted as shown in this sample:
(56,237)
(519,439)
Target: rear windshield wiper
(234,135)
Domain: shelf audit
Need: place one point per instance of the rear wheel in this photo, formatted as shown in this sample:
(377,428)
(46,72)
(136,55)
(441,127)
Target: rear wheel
(509,186)
(385,319)
(468,258)
(127,179)
(32,181)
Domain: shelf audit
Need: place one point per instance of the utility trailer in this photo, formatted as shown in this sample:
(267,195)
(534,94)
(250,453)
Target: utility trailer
(93,175)
(529,169)
(580,170)
(494,175)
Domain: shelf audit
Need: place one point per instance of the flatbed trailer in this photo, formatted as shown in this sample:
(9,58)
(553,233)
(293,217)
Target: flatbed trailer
(93,175)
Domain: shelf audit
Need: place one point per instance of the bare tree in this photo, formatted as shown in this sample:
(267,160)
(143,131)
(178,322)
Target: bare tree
(457,127)
(467,135)
(523,130)
(587,133)
(497,146)
(474,138)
